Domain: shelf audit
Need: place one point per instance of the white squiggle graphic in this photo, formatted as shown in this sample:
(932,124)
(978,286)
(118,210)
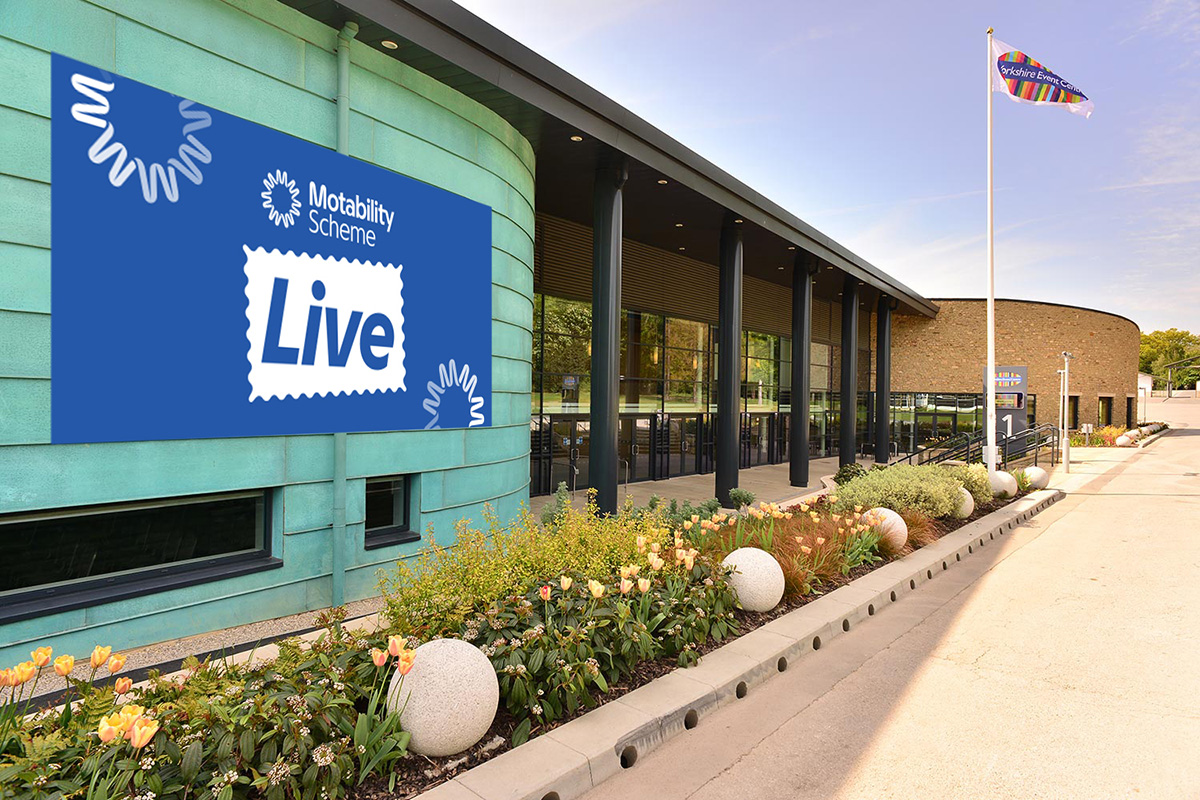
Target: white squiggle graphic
(287,215)
(122,166)
(450,375)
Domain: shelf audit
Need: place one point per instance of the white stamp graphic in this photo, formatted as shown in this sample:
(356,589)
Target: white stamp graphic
(322,326)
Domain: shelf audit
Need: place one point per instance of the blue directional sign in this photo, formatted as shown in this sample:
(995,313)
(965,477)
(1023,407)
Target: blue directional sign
(214,278)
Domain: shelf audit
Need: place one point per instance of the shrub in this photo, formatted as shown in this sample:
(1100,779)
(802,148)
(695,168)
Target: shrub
(742,498)
(922,531)
(974,478)
(559,645)
(432,594)
(926,488)
(674,514)
(848,472)
(308,724)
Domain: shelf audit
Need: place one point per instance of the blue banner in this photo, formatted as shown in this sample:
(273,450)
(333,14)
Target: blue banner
(216,278)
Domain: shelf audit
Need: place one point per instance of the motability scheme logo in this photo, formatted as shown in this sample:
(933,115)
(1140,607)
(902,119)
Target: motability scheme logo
(254,283)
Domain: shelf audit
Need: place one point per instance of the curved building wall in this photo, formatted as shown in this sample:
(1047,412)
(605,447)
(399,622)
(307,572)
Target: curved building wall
(268,63)
(947,353)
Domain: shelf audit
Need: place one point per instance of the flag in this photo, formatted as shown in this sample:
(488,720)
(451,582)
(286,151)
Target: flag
(1026,81)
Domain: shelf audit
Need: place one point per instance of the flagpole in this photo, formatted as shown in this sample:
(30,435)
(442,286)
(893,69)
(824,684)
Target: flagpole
(990,380)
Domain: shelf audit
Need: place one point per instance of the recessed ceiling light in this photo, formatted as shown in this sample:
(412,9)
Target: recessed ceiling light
(682,249)
(779,268)
(577,138)
(791,247)
(662,181)
(678,224)
(739,221)
(389,44)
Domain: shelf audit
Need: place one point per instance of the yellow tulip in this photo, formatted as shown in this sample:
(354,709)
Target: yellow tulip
(122,685)
(23,672)
(641,544)
(643,584)
(625,585)
(405,662)
(142,732)
(64,664)
(565,583)
(110,728)
(116,663)
(41,656)
(100,655)
(596,588)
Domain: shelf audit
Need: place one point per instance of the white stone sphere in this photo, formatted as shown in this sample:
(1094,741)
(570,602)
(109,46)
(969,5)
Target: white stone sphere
(1123,441)
(757,578)
(1146,431)
(1134,434)
(966,504)
(891,525)
(1038,478)
(1004,485)
(448,699)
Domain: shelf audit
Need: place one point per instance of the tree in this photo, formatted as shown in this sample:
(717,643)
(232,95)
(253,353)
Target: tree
(1160,348)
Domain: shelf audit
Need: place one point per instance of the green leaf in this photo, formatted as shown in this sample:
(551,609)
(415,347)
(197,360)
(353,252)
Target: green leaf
(189,766)
(603,684)
(521,733)
(247,744)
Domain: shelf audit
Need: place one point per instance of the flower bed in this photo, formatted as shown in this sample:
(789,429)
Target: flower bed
(571,614)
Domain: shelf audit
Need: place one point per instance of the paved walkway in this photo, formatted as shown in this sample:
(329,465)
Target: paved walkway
(1063,663)
(770,484)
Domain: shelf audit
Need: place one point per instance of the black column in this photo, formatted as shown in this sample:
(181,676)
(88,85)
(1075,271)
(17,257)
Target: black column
(606,334)
(883,379)
(803,270)
(849,404)
(729,360)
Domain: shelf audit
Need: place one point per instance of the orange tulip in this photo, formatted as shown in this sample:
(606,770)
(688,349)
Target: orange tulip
(64,664)
(142,732)
(7,678)
(396,645)
(23,672)
(625,585)
(544,593)
(100,655)
(110,728)
(41,656)
(122,685)
(405,661)
(378,657)
(565,583)
(116,663)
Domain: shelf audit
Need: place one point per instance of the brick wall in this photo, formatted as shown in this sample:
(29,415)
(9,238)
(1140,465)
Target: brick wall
(947,353)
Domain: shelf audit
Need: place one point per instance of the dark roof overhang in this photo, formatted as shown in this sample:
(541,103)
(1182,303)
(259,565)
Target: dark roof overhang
(548,105)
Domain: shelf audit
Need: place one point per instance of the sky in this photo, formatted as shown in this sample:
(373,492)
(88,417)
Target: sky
(867,120)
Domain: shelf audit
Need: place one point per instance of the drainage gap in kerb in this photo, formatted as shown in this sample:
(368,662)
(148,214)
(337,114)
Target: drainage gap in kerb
(741,690)
(945,565)
(928,574)
(958,556)
(550,796)
(628,756)
(912,584)
(781,664)
(871,610)
(691,719)
(816,643)
(893,597)
(845,625)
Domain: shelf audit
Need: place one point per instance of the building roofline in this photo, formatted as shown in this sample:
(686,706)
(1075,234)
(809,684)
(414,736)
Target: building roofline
(1036,303)
(458,36)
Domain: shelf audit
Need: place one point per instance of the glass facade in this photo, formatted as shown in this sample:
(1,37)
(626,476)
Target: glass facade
(668,396)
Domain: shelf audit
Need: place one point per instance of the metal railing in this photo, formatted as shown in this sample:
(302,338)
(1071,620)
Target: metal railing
(969,447)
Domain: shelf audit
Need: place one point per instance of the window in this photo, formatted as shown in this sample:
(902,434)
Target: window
(1128,412)
(1104,415)
(74,558)
(387,512)
(1073,412)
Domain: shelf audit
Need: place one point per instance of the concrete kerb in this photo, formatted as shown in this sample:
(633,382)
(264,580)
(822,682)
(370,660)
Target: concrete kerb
(573,758)
(1154,437)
